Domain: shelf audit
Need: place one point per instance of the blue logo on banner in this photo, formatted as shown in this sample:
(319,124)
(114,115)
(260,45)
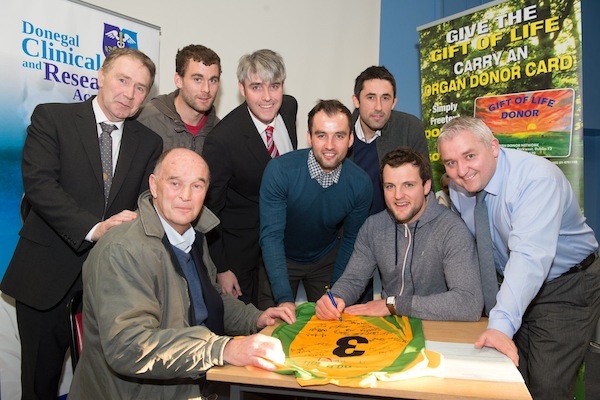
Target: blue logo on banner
(116,38)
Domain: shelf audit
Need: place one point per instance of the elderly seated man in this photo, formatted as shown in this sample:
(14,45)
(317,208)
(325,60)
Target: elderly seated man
(154,320)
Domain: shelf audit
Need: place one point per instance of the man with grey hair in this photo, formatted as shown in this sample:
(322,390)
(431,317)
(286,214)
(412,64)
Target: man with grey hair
(237,152)
(545,311)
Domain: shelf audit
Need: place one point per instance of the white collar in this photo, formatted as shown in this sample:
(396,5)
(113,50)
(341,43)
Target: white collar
(101,117)
(360,134)
(182,242)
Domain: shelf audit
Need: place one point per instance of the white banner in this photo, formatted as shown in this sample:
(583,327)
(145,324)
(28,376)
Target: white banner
(51,51)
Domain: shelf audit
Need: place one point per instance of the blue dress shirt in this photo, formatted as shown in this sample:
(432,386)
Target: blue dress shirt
(538,230)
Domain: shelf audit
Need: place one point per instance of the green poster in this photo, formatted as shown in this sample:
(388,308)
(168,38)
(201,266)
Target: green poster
(516,65)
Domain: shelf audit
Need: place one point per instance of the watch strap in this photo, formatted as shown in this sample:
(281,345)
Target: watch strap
(391,306)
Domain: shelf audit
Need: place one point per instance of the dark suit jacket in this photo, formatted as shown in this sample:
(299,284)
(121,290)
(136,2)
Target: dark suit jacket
(62,178)
(237,157)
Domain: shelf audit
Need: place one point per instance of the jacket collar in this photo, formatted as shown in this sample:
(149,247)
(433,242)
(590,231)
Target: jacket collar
(151,223)
(165,103)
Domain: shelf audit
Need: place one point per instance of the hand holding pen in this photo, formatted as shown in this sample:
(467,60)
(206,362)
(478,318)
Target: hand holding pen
(330,295)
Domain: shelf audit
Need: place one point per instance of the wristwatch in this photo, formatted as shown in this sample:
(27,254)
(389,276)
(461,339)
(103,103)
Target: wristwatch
(390,302)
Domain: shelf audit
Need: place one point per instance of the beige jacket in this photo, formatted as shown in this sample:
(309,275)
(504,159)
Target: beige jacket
(138,343)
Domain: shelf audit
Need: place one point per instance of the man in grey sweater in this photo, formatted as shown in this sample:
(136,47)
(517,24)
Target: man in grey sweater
(424,252)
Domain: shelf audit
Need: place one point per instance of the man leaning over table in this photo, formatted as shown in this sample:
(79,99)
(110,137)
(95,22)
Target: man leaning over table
(548,303)
(312,204)
(424,252)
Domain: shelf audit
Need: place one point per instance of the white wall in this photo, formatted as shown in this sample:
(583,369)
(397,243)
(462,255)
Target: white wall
(325,44)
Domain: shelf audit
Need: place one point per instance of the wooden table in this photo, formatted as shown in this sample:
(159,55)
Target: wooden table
(259,381)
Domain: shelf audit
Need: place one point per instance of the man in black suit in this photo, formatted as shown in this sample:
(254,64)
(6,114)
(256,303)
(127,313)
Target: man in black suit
(237,151)
(65,179)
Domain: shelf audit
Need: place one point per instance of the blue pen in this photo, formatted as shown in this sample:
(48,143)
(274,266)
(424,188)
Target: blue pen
(332,300)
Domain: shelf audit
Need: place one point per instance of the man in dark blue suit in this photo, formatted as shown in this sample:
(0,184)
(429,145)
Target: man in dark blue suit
(237,151)
(65,178)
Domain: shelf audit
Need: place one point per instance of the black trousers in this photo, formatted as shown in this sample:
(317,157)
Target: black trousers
(245,261)
(556,332)
(45,337)
(313,276)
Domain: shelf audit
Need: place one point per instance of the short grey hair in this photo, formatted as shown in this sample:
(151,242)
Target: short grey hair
(265,63)
(474,125)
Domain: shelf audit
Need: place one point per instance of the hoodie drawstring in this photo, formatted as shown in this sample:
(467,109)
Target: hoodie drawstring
(407,234)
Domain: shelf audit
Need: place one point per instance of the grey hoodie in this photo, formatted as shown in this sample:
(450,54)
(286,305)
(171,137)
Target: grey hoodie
(430,265)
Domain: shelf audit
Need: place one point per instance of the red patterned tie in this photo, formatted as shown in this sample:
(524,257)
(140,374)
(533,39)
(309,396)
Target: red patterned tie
(271,148)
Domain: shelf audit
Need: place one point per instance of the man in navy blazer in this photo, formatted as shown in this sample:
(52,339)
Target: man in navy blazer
(67,210)
(237,151)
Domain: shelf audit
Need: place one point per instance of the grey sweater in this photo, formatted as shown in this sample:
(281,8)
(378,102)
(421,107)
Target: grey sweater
(430,265)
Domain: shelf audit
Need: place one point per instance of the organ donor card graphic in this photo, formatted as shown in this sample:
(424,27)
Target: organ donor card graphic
(539,122)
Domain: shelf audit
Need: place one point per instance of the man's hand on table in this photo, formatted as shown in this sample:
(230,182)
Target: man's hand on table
(373,308)
(499,341)
(270,315)
(258,350)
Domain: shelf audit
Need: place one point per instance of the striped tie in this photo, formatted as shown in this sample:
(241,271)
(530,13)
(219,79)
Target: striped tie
(271,148)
